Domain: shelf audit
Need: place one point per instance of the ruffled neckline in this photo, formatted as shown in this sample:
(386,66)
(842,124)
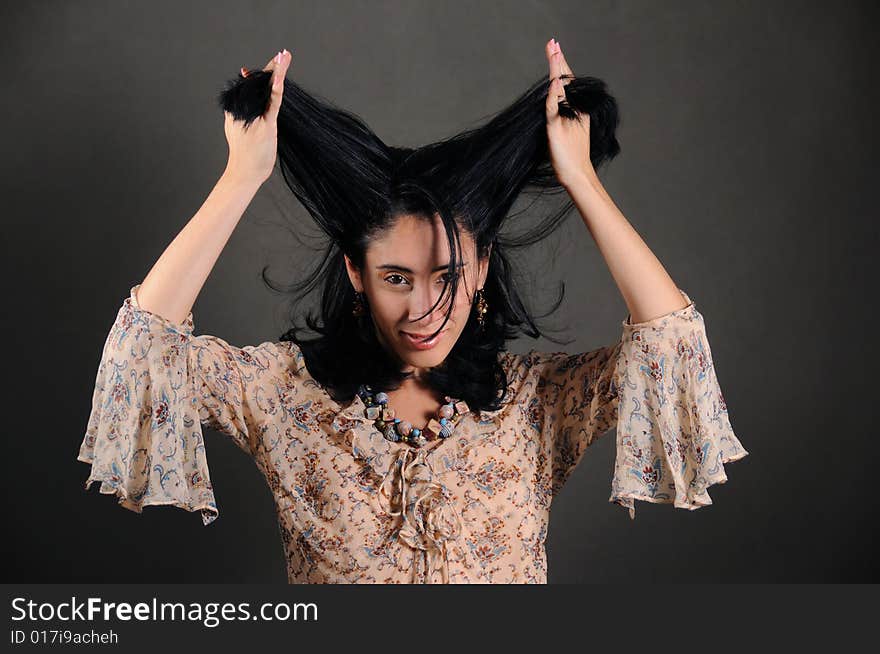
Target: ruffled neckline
(369,445)
(412,487)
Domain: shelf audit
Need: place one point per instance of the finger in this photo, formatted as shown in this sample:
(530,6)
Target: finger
(549,49)
(553,58)
(553,97)
(278,76)
(270,66)
(563,64)
(279,66)
(244,71)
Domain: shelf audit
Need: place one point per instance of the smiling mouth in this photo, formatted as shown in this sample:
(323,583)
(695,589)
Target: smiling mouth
(418,340)
(414,335)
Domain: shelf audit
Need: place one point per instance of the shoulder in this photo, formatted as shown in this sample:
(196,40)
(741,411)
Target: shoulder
(536,373)
(285,354)
(280,361)
(534,362)
(522,371)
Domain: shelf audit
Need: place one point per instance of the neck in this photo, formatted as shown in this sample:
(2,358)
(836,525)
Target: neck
(418,380)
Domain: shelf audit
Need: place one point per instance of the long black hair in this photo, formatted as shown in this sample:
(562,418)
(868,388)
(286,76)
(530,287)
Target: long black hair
(354,186)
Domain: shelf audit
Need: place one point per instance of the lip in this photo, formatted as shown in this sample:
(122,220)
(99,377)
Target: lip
(415,340)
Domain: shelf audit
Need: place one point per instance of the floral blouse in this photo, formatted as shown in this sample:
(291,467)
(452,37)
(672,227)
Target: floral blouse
(354,507)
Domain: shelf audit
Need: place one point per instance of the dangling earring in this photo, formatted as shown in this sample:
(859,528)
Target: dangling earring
(482,307)
(358,308)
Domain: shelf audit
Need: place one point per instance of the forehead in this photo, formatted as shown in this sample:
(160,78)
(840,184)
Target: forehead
(415,242)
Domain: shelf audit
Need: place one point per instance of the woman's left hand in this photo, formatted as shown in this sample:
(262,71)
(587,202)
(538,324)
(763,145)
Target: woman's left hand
(569,140)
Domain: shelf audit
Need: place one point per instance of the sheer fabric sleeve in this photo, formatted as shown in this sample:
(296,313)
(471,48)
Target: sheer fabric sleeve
(574,403)
(659,388)
(157,385)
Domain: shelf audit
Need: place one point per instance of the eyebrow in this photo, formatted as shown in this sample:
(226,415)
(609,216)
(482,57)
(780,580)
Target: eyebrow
(394,266)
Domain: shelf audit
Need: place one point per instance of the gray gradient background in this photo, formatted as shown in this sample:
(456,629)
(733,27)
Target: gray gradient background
(748,165)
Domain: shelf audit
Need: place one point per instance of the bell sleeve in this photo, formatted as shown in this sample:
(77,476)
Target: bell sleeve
(658,387)
(157,385)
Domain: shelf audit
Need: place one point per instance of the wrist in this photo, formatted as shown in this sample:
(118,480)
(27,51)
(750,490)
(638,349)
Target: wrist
(581,178)
(235,178)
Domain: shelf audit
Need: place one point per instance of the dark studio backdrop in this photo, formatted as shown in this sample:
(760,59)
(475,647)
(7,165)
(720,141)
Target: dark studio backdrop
(748,165)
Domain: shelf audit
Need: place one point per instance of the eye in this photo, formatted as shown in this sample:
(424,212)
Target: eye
(390,279)
(448,277)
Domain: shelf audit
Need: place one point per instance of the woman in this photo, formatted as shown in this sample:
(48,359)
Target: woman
(405,444)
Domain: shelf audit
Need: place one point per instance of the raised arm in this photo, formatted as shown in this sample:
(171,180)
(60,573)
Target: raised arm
(157,382)
(658,384)
(647,289)
(174,282)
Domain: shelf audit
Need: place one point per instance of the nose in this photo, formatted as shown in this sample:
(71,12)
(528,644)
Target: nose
(422,298)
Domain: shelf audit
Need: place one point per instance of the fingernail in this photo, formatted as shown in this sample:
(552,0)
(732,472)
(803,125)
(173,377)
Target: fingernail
(278,57)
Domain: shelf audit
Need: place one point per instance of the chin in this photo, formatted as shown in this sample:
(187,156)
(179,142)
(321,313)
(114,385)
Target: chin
(428,359)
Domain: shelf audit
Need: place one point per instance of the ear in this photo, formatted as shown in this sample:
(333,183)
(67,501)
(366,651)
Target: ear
(354,274)
(484,267)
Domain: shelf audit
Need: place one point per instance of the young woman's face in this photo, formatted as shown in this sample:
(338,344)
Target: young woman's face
(403,277)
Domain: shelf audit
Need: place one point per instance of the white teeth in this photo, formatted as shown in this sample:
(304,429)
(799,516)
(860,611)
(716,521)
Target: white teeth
(419,339)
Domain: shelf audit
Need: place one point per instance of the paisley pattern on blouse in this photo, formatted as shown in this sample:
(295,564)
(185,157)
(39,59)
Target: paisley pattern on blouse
(354,507)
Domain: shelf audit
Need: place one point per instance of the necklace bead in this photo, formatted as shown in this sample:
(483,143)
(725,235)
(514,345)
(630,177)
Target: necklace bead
(391,433)
(396,430)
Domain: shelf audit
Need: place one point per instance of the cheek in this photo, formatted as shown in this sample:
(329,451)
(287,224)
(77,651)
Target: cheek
(463,300)
(462,308)
(388,313)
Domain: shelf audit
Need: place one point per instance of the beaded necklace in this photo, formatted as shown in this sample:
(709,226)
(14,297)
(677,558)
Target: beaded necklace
(397,430)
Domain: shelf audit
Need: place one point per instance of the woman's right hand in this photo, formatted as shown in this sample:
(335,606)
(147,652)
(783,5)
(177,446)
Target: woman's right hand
(252,149)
